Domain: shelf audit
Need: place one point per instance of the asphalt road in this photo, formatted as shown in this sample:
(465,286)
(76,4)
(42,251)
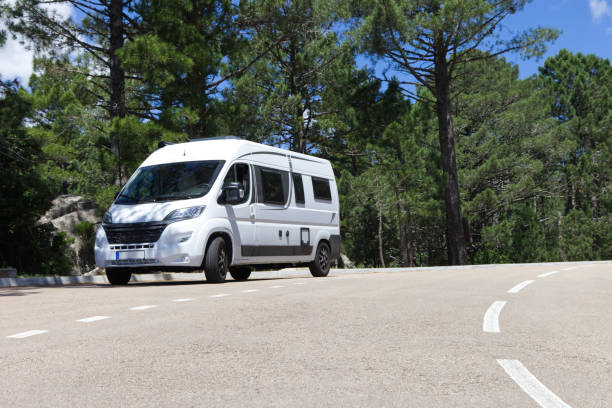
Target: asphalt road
(410,339)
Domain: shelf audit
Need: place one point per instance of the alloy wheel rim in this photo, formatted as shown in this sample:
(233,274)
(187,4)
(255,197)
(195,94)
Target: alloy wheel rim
(323,258)
(221,261)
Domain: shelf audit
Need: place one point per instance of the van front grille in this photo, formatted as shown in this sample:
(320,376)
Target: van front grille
(146,232)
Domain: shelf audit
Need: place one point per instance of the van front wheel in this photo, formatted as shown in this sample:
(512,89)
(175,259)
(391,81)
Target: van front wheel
(118,276)
(215,263)
(321,264)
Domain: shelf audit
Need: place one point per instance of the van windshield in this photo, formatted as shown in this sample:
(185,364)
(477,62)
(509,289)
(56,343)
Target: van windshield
(170,181)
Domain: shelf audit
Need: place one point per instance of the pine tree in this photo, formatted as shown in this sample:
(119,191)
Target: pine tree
(431,41)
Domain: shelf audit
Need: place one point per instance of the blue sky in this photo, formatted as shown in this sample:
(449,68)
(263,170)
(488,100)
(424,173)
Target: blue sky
(586,26)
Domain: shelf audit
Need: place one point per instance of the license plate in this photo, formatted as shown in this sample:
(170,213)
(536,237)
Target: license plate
(119,255)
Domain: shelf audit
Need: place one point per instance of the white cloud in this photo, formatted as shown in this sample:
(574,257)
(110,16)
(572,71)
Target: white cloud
(599,9)
(15,59)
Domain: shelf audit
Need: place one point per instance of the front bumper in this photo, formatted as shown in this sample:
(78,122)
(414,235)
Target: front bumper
(177,244)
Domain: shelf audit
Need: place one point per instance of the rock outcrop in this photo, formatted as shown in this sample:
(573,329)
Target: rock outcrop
(65,213)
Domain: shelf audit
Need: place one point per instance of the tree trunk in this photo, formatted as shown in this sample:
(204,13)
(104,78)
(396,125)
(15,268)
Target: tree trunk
(380,240)
(455,239)
(117,76)
(406,247)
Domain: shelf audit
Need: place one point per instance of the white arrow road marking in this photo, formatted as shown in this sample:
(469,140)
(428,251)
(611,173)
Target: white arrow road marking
(250,290)
(219,295)
(534,388)
(144,307)
(520,286)
(93,319)
(490,323)
(543,275)
(27,334)
(183,300)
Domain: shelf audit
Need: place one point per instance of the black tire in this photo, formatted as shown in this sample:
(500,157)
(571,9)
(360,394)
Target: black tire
(118,276)
(320,266)
(215,263)
(240,273)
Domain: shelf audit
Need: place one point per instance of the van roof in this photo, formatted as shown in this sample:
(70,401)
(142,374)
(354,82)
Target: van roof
(217,148)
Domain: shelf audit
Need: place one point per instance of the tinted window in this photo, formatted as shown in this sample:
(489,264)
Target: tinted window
(239,173)
(272,186)
(321,189)
(298,187)
(170,181)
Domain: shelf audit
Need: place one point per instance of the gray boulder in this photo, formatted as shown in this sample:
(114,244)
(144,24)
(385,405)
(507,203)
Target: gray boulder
(65,213)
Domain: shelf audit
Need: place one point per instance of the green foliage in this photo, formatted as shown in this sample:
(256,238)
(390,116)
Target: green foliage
(24,194)
(295,94)
(181,57)
(86,231)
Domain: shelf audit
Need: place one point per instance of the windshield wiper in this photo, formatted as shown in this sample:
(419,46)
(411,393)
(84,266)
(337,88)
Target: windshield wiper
(128,197)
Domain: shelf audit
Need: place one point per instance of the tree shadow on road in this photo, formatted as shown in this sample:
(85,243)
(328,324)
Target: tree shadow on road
(17,291)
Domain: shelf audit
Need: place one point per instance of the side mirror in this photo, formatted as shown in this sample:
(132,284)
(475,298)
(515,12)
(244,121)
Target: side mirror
(232,193)
(117,194)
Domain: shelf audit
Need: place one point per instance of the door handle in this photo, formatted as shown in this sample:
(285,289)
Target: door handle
(252,213)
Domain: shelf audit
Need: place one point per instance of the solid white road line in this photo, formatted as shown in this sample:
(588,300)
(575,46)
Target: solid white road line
(27,334)
(520,286)
(543,275)
(219,295)
(93,319)
(276,286)
(490,323)
(250,290)
(534,388)
(144,307)
(182,300)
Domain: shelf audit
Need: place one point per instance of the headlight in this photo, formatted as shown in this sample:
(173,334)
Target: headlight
(185,213)
(108,218)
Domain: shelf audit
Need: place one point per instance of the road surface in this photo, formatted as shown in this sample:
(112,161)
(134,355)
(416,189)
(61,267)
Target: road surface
(504,336)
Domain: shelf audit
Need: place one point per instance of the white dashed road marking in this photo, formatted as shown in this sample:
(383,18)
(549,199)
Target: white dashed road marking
(299,283)
(276,286)
(183,300)
(250,290)
(520,286)
(27,334)
(93,319)
(490,323)
(144,307)
(570,268)
(219,295)
(534,388)
(543,275)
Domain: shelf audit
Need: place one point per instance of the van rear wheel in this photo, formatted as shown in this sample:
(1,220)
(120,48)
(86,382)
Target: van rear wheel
(118,276)
(215,263)
(321,264)
(240,273)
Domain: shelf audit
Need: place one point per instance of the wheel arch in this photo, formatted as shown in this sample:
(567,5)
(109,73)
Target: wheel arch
(227,237)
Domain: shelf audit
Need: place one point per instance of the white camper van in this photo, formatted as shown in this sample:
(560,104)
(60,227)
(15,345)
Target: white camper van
(219,205)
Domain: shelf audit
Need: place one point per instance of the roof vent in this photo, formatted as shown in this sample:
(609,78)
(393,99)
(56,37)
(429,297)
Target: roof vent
(163,143)
(204,139)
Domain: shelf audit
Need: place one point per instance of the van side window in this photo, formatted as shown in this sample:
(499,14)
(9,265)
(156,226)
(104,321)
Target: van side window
(298,187)
(321,189)
(272,186)
(239,173)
